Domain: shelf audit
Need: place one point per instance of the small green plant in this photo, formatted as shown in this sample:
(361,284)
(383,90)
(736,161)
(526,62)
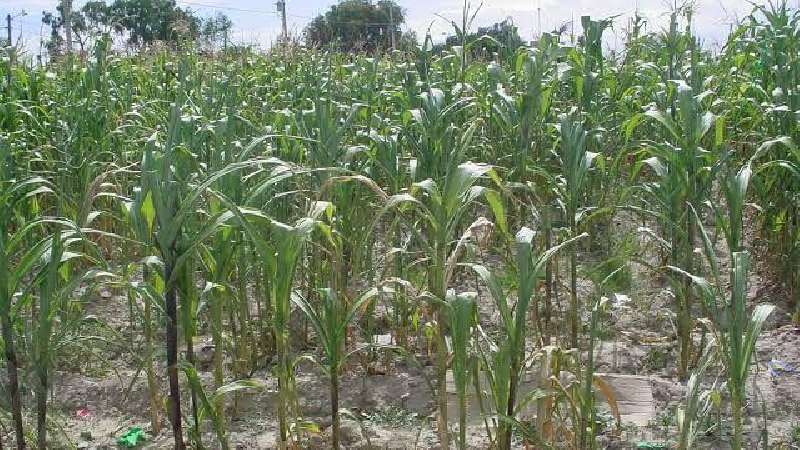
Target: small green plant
(794,434)
(440,207)
(395,417)
(330,321)
(655,359)
(462,312)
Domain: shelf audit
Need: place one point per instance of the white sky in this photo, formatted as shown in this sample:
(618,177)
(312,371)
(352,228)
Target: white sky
(257,21)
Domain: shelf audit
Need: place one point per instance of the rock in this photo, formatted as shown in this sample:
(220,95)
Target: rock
(318,441)
(313,406)
(203,355)
(349,432)
(609,443)
(324,422)
(777,319)
(665,390)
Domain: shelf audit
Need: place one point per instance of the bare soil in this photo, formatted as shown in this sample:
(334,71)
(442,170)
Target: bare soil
(98,395)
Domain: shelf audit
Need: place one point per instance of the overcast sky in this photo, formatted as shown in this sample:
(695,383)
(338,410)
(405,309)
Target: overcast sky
(257,21)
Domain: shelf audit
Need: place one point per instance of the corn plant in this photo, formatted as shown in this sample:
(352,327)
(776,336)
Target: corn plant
(14,194)
(462,314)
(280,250)
(587,429)
(46,314)
(682,168)
(505,365)
(590,66)
(577,162)
(697,404)
(779,170)
(437,144)
(440,211)
(55,284)
(150,296)
(171,206)
(573,403)
(737,340)
(139,219)
(330,323)
(462,34)
(521,118)
(208,403)
(734,331)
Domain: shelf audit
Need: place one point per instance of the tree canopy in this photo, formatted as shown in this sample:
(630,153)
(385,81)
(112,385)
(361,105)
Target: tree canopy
(140,22)
(501,36)
(357,25)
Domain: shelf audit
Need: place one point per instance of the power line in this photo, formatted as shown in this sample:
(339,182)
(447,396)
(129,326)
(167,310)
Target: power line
(228,8)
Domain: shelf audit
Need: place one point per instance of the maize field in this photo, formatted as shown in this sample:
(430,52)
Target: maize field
(306,249)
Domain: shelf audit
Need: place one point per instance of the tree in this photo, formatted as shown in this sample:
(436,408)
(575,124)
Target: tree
(97,16)
(91,21)
(56,42)
(142,21)
(147,21)
(408,41)
(215,30)
(357,25)
(501,36)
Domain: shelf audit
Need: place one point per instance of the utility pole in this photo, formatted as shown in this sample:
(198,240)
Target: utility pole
(539,19)
(66,16)
(10,52)
(391,25)
(285,33)
(572,27)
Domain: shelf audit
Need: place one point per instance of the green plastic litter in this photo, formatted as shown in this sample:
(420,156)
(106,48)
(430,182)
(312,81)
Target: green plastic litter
(133,437)
(646,445)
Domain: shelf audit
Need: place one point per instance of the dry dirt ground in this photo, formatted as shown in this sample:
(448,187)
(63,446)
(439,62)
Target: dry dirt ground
(99,390)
